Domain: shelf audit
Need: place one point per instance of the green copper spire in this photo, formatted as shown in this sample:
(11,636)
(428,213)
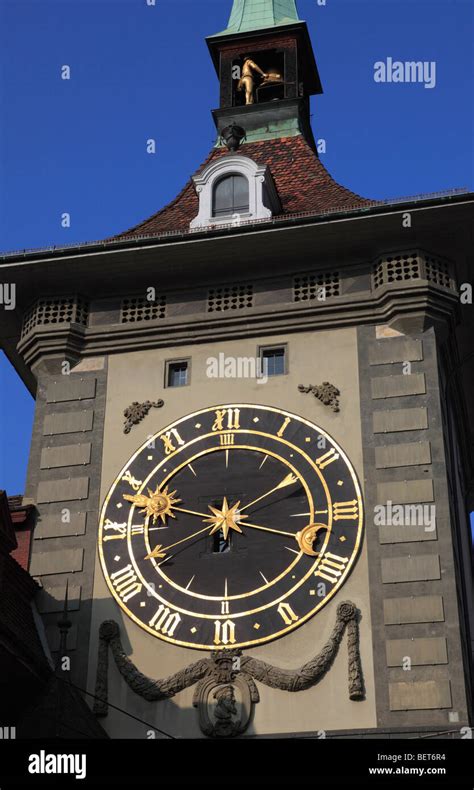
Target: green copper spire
(249,15)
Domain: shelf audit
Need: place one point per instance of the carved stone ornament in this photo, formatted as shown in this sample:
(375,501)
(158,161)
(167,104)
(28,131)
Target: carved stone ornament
(226,692)
(327,393)
(225,697)
(136,412)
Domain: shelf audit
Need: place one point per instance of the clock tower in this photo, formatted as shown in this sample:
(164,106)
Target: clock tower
(252,452)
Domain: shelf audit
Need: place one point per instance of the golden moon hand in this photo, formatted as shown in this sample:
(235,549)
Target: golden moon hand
(306,537)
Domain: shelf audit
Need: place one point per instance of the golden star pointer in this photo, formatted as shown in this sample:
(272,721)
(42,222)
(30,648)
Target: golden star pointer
(225,519)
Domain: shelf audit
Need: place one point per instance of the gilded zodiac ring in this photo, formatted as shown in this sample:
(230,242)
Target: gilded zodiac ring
(307,536)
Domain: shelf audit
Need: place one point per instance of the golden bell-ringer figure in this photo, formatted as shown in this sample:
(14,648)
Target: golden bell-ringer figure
(247,80)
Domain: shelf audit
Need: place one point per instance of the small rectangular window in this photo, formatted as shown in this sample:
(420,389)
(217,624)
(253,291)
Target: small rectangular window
(220,545)
(273,360)
(177,373)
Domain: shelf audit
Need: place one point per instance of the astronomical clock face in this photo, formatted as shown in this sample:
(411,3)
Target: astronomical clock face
(232,527)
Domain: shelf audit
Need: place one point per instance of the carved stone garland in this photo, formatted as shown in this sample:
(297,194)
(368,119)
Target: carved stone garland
(228,672)
(136,412)
(327,393)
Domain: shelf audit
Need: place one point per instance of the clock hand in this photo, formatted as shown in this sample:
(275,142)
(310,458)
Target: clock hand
(160,551)
(158,504)
(304,538)
(157,553)
(225,519)
(287,481)
(191,512)
(229,518)
(268,529)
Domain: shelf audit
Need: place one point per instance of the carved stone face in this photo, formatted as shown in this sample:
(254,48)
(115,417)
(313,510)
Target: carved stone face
(225,697)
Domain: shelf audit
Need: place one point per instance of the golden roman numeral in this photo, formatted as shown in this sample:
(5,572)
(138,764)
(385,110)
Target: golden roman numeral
(167,440)
(327,458)
(346,510)
(285,611)
(119,529)
(232,415)
(224,632)
(225,607)
(283,427)
(226,439)
(331,567)
(164,620)
(126,582)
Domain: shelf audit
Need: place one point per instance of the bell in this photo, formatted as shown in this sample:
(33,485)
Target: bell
(273,76)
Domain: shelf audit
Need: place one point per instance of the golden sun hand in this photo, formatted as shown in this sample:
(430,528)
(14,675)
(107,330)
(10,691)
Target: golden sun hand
(159,504)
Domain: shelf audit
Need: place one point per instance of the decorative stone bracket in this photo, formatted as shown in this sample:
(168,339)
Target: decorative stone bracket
(136,412)
(327,393)
(226,693)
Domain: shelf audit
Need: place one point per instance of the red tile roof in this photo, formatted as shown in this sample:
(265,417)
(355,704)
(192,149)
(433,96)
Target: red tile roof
(302,182)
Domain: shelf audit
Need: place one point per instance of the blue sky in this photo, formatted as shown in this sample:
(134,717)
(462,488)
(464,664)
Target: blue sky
(140,72)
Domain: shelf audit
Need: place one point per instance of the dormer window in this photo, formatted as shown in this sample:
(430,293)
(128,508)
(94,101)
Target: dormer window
(230,196)
(234,189)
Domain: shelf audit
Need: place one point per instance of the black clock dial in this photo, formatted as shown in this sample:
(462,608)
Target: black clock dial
(231,562)
(230,528)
